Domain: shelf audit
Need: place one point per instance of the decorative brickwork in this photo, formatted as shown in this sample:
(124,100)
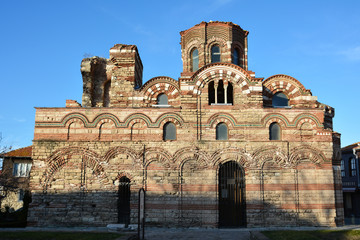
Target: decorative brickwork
(292,88)
(84,155)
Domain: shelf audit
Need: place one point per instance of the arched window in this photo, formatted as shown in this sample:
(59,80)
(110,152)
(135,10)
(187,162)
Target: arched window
(235,57)
(274,131)
(211,92)
(215,54)
(229,93)
(169,131)
(220,93)
(221,132)
(194,60)
(162,99)
(280,100)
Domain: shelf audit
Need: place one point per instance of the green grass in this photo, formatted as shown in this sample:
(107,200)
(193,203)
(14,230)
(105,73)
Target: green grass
(314,235)
(58,236)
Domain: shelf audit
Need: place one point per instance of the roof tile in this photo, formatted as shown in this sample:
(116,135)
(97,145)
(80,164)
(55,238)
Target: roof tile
(21,152)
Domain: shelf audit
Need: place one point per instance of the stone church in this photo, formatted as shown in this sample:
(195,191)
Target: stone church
(218,147)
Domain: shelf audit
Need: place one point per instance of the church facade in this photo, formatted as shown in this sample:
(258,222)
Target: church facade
(217,147)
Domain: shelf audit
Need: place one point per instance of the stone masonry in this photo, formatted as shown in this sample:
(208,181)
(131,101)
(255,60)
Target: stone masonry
(83,153)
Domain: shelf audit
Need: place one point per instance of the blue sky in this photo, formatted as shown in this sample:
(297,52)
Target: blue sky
(42,44)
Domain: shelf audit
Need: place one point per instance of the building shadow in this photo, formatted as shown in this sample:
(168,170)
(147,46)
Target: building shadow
(100,208)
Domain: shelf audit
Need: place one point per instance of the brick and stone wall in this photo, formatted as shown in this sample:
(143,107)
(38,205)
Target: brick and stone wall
(180,179)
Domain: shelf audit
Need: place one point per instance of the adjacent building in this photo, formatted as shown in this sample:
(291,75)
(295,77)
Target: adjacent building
(217,147)
(350,179)
(16,169)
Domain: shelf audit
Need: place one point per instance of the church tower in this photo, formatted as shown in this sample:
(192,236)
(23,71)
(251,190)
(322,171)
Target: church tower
(211,42)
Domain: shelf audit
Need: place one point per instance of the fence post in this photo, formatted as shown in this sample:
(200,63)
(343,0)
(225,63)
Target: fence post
(141,215)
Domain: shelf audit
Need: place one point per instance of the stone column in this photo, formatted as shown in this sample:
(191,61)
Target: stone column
(215,88)
(225,92)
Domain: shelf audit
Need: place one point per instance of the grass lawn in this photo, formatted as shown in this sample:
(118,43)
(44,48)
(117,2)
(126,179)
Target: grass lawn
(58,236)
(313,235)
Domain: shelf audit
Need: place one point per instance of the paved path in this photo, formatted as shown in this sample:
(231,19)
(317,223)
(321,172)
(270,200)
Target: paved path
(228,234)
(206,234)
(152,233)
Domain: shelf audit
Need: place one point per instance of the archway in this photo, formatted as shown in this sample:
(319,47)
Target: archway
(124,201)
(231,195)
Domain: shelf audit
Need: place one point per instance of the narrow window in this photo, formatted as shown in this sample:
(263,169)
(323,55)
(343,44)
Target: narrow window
(162,99)
(169,131)
(274,131)
(342,167)
(221,132)
(235,57)
(280,100)
(195,60)
(352,167)
(211,91)
(215,54)
(220,92)
(229,93)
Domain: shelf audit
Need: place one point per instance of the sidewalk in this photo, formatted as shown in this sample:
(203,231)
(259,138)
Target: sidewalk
(153,233)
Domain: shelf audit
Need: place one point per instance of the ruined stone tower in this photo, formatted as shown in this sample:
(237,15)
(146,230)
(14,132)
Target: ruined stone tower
(112,82)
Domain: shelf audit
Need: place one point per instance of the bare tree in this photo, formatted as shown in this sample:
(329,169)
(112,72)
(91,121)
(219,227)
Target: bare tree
(8,183)
(3,149)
